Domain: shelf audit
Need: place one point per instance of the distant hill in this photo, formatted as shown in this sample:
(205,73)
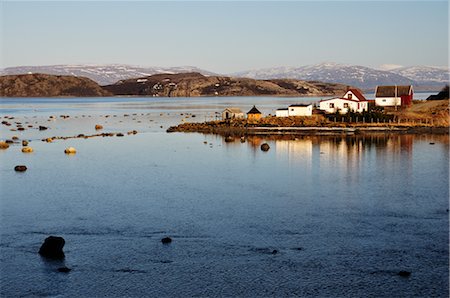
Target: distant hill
(424,75)
(196,84)
(102,74)
(443,94)
(354,75)
(44,85)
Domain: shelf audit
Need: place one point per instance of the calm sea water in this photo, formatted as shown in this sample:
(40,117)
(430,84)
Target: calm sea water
(345,214)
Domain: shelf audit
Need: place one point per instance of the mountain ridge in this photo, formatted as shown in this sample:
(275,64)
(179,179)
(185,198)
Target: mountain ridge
(425,77)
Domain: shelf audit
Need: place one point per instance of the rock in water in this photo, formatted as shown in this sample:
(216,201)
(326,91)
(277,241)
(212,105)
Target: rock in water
(20,168)
(52,248)
(166,240)
(70,150)
(98,127)
(4,145)
(42,127)
(27,149)
(24,143)
(229,139)
(265,147)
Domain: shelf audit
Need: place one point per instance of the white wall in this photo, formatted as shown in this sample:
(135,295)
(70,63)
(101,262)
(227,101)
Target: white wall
(300,111)
(339,105)
(282,113)
(388,101)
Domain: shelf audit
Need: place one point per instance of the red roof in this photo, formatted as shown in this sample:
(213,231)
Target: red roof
(357,94)
(343,99)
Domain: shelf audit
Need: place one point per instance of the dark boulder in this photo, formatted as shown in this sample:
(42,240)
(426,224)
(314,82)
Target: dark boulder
(229,139)
(20,168)
(265,147)
(52,248)
(42,127)
(404,273)
(166,240)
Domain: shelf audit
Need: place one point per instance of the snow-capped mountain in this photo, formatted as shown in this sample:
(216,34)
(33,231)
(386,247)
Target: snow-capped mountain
(353,75)
(424,75)
(102,74)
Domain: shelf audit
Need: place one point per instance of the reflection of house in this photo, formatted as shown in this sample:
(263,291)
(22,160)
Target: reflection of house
(232,113)
(295,110)
(254,114)
(352,100)
(390,96)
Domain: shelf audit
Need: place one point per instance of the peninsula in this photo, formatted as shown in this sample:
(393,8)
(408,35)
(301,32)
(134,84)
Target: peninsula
(161,85)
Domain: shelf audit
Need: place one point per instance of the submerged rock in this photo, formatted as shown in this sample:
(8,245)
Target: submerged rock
(119,134)
(52,247)
(166,240)
(265,147)
(404,273)
(64,269)
(24,143)
(20,168)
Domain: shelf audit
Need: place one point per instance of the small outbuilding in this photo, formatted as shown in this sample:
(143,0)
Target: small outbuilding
(392,96)
(282,113)
(295,110)
(254,114)
(300,110)
(232,113)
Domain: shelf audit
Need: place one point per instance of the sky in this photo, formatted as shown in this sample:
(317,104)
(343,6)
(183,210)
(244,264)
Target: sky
(224,36)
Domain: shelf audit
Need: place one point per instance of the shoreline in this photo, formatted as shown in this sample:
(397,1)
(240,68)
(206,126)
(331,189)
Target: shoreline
(223,128)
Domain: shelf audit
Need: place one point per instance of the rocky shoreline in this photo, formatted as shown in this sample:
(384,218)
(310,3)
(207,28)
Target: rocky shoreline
(267,127)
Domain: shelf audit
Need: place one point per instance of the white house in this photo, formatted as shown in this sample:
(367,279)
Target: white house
(390,96)
(295,110)
(352,100)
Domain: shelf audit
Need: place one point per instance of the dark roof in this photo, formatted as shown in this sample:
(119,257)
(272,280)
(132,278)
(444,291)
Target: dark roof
(301,105)
(283,109)
(357,93)
(389,91)
(254,110)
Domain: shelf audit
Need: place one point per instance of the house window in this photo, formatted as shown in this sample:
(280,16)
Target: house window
(384,100)
(350,96)
(345,105)
(331,105)
(292,110)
